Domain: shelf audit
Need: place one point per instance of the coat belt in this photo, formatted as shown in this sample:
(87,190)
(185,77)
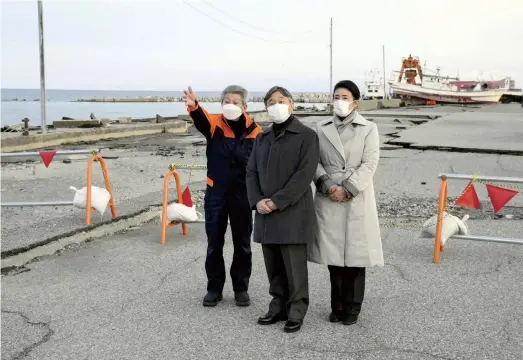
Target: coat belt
(338,175)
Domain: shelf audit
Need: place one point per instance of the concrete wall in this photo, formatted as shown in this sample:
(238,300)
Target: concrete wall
(39,141)
(391,103)
(366,105)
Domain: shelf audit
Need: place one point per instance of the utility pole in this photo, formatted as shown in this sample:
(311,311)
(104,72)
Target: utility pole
(42,67)
(384,79)
(330,83)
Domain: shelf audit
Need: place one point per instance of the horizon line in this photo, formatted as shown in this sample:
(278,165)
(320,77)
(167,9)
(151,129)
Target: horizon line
(47,89)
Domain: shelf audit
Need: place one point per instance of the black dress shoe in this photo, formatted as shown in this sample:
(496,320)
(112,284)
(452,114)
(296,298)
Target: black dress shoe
(242,298)
(212,299)
(335,317)
(270,318)
(350,319)
(292,326)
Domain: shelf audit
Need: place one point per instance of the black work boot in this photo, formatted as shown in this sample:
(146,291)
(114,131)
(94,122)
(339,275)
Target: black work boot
(350,319)
(271,318)
(212,299)
(242,298)
(292,325)
(336,316)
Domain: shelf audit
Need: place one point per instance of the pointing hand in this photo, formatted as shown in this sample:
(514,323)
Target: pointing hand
(189,97)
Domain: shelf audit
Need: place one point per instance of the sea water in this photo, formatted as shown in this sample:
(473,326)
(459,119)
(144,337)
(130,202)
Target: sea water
(60,103)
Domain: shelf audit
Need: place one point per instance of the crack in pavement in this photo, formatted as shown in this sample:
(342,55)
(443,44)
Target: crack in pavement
(499,265)
(498,161)
(16,271)
(161,282)
(399,270)
(46,325)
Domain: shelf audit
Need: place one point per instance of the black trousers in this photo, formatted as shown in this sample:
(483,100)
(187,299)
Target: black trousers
(286,267)
(347,289)
(221,205)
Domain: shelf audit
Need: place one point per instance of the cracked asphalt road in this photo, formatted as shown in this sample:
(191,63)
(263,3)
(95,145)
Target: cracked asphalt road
(128,297)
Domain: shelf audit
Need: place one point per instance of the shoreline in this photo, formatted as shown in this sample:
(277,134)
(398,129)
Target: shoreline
(298,98)
(322,98)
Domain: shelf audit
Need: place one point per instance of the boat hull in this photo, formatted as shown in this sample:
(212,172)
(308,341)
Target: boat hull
(447,96)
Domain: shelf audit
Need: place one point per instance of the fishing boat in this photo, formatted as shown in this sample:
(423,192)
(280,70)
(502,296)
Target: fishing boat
(373,86)
(413,83)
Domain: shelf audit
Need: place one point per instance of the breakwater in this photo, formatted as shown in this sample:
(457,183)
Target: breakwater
(298,98)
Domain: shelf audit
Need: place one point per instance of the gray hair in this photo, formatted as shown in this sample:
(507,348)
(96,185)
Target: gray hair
(286,93)
(236,89)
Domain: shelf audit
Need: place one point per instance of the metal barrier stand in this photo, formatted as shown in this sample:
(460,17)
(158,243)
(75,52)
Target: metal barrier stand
(58,152)
(172,171)
(38,203)
(95,157)
(442,206)
(99,158)
(165,224)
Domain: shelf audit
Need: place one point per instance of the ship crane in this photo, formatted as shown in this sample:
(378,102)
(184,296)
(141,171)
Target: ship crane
(411,68)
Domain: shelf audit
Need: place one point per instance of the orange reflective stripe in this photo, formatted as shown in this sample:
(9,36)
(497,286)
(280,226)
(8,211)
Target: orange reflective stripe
(214,119)
(217,121)
(257,130)
(210,182)
(248,120)
(191,108)
(226,129)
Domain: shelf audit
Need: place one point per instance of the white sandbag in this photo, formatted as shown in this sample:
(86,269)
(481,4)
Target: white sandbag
(181,213)
(99,198)
(452,225)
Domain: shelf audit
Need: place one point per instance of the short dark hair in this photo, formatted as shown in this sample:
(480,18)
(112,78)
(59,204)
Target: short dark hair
(279,89)
(349,85)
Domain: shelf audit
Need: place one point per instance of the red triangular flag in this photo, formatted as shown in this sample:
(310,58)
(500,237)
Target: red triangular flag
(186,197)
(499,196)
(469,198)
(47,157)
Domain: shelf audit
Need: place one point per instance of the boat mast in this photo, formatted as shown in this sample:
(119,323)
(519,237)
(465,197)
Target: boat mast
(384,80)
(330,82)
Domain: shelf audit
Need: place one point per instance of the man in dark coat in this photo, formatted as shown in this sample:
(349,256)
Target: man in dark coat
(230,138)
(279,175)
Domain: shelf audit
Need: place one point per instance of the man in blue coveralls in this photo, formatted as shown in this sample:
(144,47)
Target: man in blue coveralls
(230,138)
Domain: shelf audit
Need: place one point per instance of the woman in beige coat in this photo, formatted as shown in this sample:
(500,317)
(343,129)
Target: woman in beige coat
(348,238)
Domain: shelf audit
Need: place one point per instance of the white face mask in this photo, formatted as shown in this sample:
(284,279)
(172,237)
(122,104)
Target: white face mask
(278,113)
(231,112)
(342,107)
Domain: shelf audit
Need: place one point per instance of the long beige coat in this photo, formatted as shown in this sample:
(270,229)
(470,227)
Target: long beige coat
(348,233)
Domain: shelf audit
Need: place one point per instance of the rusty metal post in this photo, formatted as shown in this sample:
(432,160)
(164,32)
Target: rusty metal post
(26,127)
(439,225)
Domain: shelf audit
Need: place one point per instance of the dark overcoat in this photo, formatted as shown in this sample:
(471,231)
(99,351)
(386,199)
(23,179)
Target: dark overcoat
(282,168)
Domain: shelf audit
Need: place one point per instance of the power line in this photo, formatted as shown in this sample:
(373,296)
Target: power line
(236,30)
(246,22)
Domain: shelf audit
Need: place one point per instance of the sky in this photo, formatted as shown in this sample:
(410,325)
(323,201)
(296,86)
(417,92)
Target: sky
(209,44)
